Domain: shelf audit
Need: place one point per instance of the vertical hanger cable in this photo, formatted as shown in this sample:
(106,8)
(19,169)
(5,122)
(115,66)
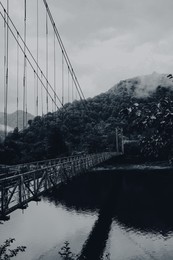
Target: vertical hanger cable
(47,101)
(5,65)
(55,70)
(37,60)
(62,78)
(24,71)
(17,85)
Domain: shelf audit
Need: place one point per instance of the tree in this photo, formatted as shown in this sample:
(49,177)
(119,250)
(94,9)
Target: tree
(65,252)
(6,253)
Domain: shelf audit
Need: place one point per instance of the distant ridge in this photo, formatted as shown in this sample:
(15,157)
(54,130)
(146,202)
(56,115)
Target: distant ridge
(12,119)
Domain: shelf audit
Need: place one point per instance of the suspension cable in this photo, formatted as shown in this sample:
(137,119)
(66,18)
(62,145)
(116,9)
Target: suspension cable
(72,89)
(29,62)
(24,69)
(35,95)
(7,67)
(26,98)
(42,95)
(47,101)
(68,85)
(6,42)
(52,105)
(17,86)
(76,95)
(37,58)
(29,51)
(62,78)
(76,82)
(5,59)
(54,69)
(64,58)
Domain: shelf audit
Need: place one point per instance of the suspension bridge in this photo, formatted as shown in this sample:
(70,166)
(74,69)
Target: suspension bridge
(25,182)
(39,77)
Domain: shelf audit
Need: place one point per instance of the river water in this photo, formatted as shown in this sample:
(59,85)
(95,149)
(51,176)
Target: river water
(106,214)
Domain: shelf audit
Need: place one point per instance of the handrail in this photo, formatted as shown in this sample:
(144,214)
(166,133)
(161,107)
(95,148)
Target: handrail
(17,190)
(49,167)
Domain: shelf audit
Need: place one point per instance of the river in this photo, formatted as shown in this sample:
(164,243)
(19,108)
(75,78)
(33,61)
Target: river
(106,214)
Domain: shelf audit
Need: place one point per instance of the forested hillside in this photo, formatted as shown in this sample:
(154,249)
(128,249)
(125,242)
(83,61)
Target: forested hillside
(145,112)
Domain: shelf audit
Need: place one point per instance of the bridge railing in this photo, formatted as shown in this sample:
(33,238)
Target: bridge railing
(20,188)
(21,168)
(37,164)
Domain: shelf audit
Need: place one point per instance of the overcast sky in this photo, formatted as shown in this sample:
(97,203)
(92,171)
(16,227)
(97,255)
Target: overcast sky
(107,40)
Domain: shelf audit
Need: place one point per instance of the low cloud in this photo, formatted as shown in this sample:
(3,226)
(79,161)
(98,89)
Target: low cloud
(149,83)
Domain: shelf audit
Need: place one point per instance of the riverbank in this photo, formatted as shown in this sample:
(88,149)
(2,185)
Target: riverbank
(131,163)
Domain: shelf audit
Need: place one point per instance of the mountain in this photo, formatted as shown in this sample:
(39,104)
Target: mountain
(12,119)
(142,86)
(142,105)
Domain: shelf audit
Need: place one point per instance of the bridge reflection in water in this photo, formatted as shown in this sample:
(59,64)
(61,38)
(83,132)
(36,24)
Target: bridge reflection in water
(138,200)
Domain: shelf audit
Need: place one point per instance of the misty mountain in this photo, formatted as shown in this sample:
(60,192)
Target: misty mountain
(143,106)
(12,120)
(141,86)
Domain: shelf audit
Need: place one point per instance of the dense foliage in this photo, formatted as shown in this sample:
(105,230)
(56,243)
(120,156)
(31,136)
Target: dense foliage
(148,120)
(42,139)
(89,126)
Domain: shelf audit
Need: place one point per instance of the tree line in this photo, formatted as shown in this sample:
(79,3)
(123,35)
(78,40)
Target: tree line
(90,127)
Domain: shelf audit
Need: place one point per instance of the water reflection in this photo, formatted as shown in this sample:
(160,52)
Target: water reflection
(128,214)
(43,228)
(139,203)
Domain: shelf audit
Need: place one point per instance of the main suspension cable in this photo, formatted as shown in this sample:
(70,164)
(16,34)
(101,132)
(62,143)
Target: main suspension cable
(76,82)
(40,70)
(29,62)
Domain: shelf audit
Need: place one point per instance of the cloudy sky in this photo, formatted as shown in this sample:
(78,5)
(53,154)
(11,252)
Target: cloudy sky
(107,40)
